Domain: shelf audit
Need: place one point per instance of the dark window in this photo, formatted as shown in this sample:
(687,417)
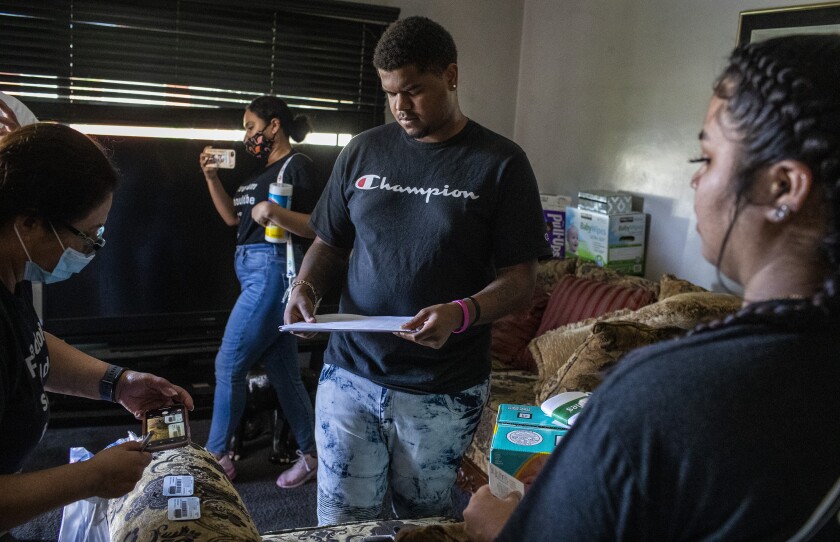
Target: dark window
(193,63)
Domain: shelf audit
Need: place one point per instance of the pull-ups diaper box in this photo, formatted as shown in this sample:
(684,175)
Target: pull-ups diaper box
(554,215)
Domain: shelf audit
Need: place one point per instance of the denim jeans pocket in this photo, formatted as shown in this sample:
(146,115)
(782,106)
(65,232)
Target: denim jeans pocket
(469,402)
(327,372)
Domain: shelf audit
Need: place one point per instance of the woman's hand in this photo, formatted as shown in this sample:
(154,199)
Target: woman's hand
(8,121)
(485,515)
(113,472)
(261,212)
(139,392)
(208,165)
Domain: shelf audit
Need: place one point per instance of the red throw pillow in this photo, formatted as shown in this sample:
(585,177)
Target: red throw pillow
(577,298)
(512,333)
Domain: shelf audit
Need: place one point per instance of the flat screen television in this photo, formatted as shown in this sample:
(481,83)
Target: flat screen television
(166,275)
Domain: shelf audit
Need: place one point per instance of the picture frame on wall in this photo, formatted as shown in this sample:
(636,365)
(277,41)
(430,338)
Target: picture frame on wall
(762,24)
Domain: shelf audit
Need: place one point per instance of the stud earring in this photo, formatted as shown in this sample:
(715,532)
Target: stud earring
(781,213)
(454,87)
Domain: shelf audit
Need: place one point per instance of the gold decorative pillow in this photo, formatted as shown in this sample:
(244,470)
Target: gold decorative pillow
(551,270)
(669,286)
(141,515)
(607,342)
(686,310)
(551,349)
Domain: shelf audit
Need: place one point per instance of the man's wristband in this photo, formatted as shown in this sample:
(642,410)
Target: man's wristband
(477,309)
(108,384)
(466,313)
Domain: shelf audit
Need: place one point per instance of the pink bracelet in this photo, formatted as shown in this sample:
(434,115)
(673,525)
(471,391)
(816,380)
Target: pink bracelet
(466,312)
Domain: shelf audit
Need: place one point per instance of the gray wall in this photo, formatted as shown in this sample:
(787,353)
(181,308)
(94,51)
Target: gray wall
(600,94)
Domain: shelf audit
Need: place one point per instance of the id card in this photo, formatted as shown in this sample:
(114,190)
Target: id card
(177,486)
(183,508)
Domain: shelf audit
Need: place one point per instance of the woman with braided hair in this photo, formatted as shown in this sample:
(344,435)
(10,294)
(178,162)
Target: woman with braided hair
(731,432)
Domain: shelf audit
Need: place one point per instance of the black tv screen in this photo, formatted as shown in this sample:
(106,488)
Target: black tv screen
(166,273)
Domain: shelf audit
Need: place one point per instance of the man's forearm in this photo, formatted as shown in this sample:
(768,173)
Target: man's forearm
(512,289)
(323,266)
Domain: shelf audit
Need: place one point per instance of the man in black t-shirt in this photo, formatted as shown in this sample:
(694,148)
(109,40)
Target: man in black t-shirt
(421,212)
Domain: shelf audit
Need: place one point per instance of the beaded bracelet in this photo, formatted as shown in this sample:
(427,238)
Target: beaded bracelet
(466,311)
(298,282)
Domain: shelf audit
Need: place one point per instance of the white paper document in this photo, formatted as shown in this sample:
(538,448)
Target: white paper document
(350,322)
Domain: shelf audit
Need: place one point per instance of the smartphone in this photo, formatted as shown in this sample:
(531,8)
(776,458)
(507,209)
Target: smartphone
(223,158)
(169,428)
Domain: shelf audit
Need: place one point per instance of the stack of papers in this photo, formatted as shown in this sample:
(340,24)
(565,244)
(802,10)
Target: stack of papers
(350,322)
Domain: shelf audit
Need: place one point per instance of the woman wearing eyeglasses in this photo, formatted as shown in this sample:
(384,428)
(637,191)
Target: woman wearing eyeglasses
(52,217)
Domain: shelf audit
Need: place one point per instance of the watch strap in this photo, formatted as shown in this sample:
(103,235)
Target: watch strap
(108,384)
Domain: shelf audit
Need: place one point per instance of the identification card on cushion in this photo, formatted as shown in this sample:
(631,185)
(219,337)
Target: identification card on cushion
(178,486)
(184,508)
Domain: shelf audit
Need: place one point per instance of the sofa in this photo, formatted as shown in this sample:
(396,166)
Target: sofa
(581,320)
(142,514)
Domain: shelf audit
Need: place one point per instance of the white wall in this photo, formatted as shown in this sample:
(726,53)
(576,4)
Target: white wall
(600,94)
(488,34)
(612,94)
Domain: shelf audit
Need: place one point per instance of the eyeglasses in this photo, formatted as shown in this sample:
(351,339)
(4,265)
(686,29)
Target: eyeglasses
(94,243)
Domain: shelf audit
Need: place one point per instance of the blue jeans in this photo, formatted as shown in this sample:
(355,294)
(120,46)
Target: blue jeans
(251,336)
(370,437)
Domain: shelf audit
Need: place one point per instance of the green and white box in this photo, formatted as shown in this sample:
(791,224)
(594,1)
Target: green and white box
(527,415)
(613,241)
(608,202)
(523,439)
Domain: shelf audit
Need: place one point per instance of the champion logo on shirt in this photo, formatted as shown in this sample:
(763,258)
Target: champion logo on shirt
(375,182)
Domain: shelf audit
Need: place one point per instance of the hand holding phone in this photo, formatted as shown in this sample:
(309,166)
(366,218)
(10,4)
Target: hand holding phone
(221,158)
(165,428)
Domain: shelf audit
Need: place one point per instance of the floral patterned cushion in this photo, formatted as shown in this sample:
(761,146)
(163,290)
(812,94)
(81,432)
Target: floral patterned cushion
(141,515)
(355,532)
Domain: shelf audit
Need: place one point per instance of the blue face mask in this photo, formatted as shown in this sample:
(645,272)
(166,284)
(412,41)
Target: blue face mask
(71,261)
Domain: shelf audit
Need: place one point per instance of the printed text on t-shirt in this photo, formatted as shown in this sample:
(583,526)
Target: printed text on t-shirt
(375,182)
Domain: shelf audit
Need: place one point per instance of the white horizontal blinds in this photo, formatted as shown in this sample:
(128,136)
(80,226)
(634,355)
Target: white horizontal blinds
(179,54)
(328,59)
(34,48)
(168,55)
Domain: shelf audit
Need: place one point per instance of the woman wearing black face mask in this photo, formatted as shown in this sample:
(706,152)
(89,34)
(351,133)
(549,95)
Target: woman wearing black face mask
(251,333)
(52,215)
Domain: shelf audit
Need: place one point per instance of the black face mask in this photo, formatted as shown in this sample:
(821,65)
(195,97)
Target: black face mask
(258,145)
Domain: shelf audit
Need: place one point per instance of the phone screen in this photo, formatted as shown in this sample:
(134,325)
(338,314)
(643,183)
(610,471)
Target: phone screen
(169,427)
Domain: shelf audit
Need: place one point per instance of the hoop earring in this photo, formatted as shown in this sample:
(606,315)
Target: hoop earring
(781,213)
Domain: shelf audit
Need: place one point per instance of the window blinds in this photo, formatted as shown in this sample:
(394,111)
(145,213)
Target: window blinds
(192,62)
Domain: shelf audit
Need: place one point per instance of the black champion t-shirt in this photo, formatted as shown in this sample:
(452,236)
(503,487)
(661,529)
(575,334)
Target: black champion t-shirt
(24,366)
(428,223)
(300,173)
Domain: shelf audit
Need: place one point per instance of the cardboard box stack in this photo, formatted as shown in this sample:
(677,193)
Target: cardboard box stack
(523,439)
(604,228)
(554,213)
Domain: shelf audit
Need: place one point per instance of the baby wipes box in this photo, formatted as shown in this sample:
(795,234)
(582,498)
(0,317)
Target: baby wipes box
(523,439)
(615,241)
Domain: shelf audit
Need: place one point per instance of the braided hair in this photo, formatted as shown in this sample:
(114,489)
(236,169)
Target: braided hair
(783,100)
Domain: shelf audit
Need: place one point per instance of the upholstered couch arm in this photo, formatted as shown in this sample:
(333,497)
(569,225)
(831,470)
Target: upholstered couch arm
(141,515)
